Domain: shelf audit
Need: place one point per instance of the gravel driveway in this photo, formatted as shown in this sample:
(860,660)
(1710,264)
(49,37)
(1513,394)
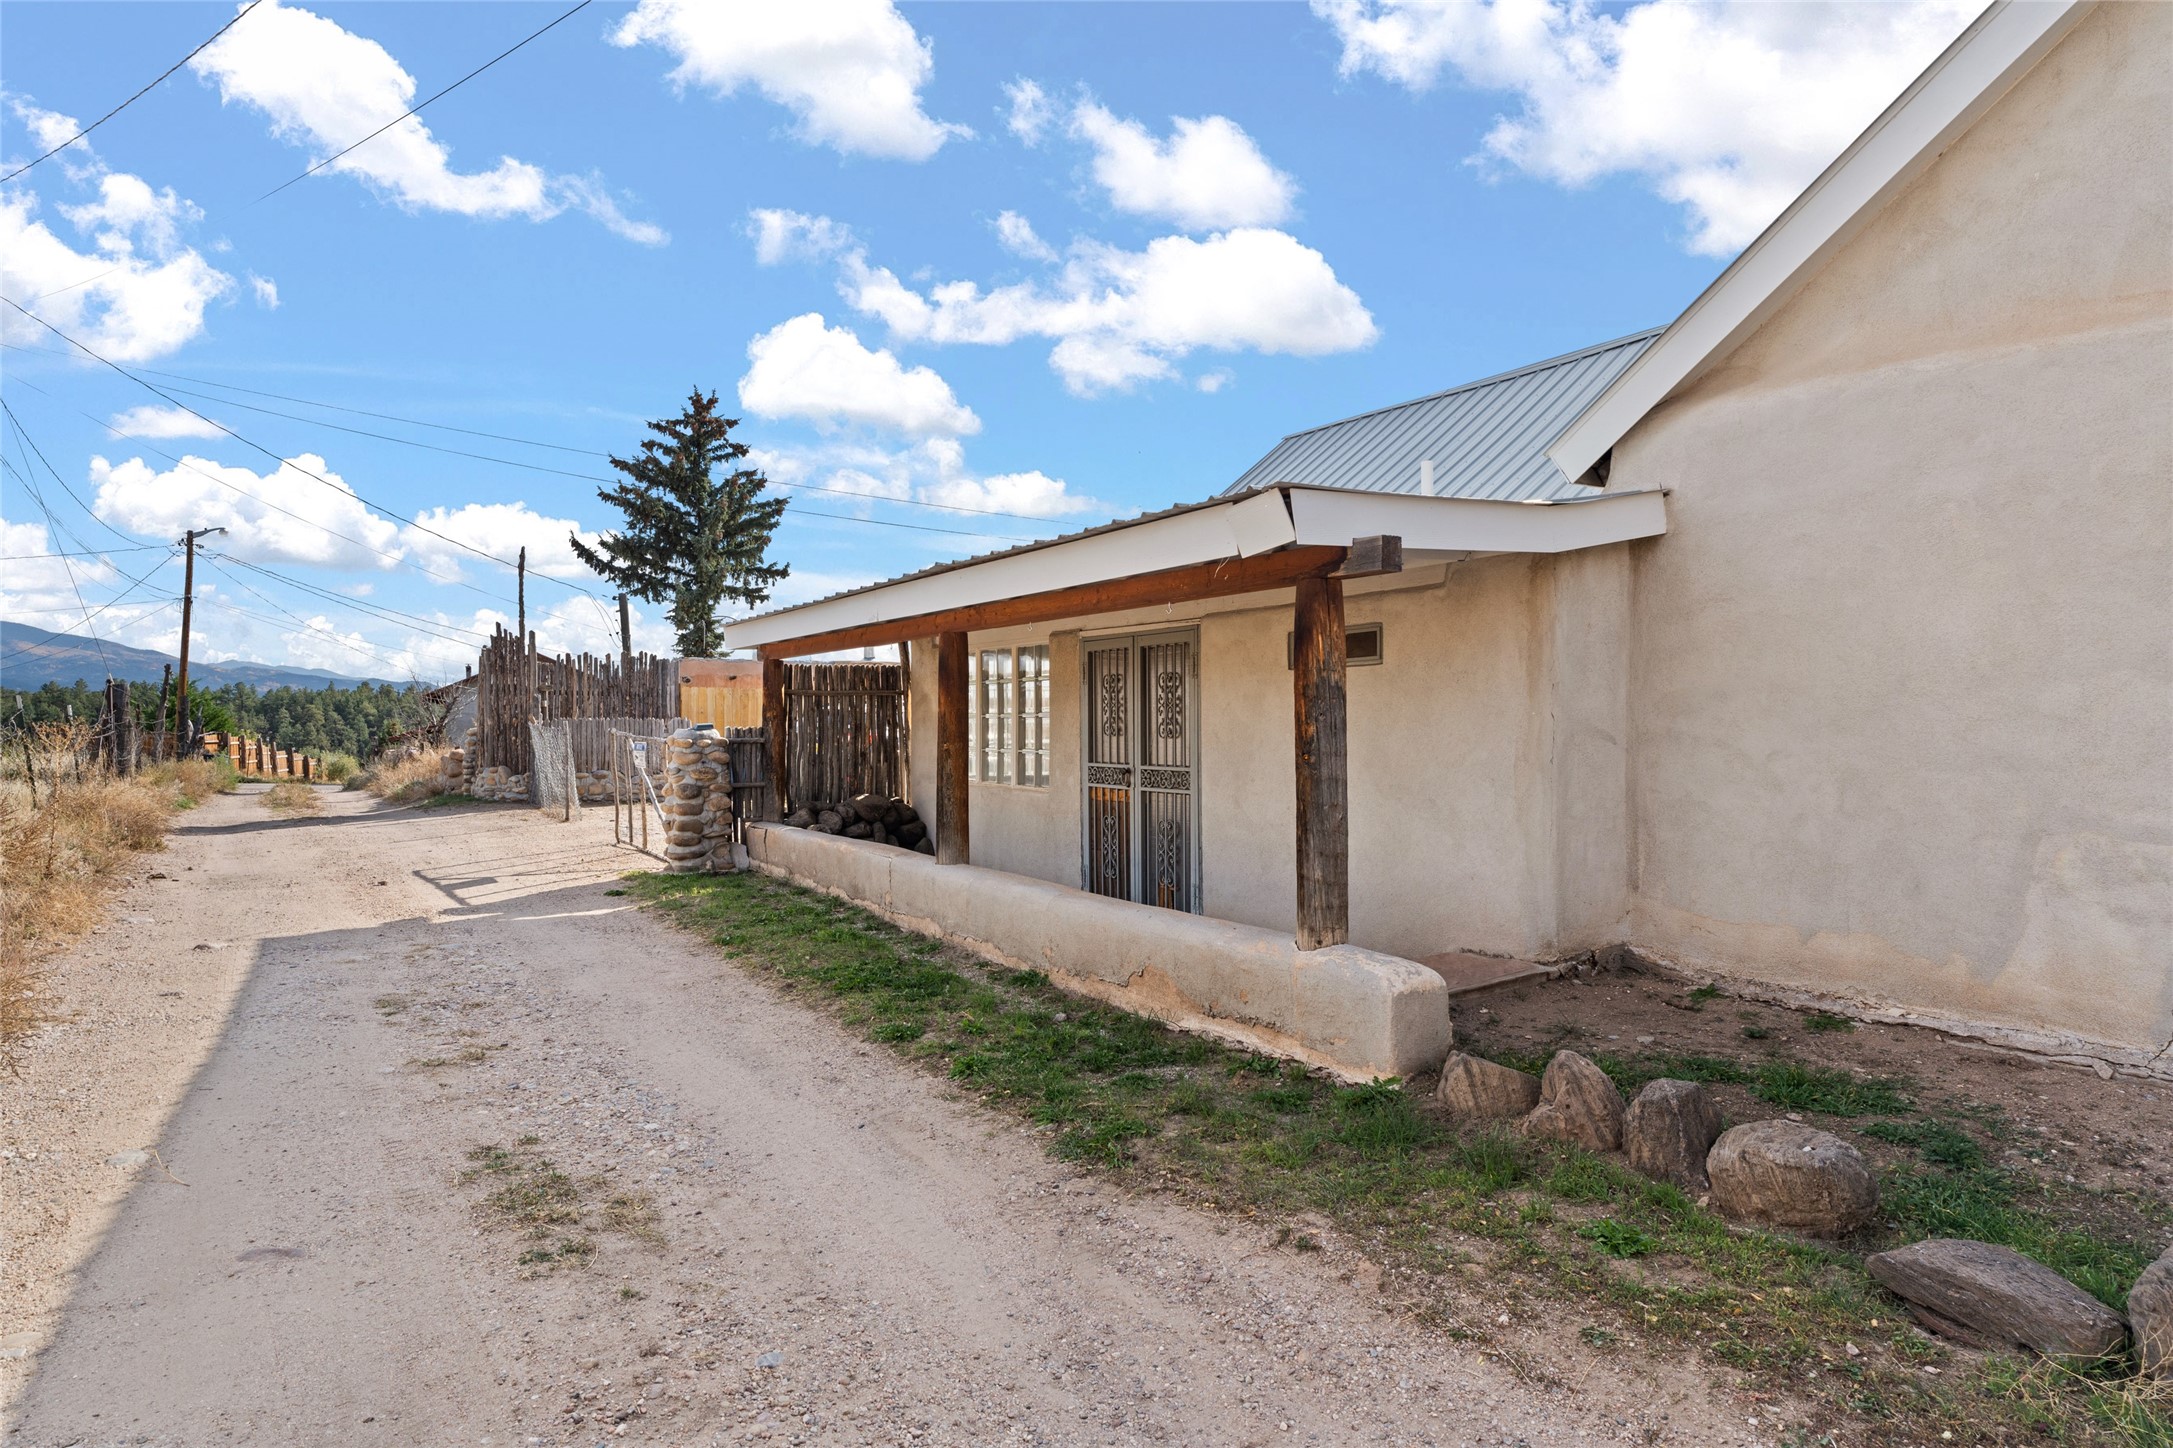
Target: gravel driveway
(765,1230)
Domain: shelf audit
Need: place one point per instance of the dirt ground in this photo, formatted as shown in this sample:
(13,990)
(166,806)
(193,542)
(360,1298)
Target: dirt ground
(750,1227)
(2057,1124)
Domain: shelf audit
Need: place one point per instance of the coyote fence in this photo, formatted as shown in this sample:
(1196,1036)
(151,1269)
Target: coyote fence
(844,732)
(515,683)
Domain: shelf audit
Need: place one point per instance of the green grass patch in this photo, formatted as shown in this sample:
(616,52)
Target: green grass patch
(1827,1021)
(1274,1144)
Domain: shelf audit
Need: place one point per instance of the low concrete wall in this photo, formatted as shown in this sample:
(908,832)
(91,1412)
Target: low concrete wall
(1355,1012)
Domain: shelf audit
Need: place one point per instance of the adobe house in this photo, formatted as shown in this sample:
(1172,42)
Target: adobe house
(1822,640)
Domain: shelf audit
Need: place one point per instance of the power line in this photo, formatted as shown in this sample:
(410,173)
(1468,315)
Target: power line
(139,95)
(334,634)
(89,615)
(562,472)
(91,513)
(389,615)
(267,452)
(411,110)
(562,447)
(86,553)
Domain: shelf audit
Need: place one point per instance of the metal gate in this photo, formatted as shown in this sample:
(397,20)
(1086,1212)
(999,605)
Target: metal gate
(1140,837)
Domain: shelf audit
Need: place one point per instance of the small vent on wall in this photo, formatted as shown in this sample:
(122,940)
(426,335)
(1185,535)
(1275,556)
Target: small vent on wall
(1362,644)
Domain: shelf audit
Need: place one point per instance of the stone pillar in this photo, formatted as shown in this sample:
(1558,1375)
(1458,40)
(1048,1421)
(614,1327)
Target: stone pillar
(697,802)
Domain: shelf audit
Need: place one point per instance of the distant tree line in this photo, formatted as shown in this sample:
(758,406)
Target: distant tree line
(316,721)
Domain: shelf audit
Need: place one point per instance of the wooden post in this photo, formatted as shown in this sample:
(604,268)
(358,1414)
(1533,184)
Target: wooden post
(773,720)
(954,833)
(1324,896)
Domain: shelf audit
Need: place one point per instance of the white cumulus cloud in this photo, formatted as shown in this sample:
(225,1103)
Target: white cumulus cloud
(782,236)
(1119,317)
(851,71)
(266,290)
(806,369)
(498,529)
(323,525)
(1030,112)
(1019,237)
(325,88)
(154,421)
(1206,176)
(136,292)
(1728,108)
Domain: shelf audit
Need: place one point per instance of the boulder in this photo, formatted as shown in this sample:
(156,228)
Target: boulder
(877,833)
(2150,1317)
(911,833)
(1668,1130)
(893,815)
(926,846)
(869,807)
(1578,1103)
(1786,1174)
(859,830)
(829,821)
(1471,1086)
(1996,1297)
(907,815)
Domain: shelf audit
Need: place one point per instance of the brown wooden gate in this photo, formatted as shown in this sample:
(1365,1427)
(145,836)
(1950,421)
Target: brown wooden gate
(844,732)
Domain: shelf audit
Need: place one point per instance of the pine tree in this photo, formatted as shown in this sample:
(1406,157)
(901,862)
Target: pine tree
(697,525)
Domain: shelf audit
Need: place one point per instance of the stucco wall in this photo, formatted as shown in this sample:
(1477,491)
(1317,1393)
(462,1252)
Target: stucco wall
(1901,670)
(1486,771)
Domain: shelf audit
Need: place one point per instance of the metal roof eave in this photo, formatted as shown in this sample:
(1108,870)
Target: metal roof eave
(1260,522)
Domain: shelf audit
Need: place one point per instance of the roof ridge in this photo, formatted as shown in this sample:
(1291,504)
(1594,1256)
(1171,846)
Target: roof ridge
(1582,352)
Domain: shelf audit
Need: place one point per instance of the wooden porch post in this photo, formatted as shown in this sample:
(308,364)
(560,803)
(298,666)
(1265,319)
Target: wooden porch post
(1324,897)
(953,831)
(773,720)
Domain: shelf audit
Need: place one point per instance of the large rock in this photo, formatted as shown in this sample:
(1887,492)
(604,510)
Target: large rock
(1995,1296)
(869,807)
(1786,1174)
(2150,1316)
(1479,1088)
(1668,1130)
(1577,1103)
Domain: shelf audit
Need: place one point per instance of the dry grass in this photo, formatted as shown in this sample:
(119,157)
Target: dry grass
(65,827)
(293,797)
(406,781)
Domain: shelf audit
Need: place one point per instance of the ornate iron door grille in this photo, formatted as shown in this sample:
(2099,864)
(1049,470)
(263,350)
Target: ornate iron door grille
(1141,819)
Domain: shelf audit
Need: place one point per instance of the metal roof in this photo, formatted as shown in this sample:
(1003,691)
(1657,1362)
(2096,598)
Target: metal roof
(1487,439)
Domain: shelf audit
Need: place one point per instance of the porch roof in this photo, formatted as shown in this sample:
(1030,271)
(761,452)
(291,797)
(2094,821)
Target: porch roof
(1264,538)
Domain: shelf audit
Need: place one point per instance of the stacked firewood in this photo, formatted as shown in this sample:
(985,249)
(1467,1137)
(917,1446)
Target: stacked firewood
(876,817)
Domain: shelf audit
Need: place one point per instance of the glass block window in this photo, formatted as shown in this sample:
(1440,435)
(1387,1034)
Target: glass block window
(994,716)
(1033,701)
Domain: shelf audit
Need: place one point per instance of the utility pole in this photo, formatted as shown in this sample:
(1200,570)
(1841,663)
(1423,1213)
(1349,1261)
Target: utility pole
(521,593)
(626,639)
(188,601)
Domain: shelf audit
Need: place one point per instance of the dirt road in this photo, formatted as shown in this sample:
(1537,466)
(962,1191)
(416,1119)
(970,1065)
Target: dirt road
(754,1225)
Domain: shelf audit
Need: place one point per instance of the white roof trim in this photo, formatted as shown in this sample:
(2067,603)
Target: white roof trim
(1274,518)
(1961,85)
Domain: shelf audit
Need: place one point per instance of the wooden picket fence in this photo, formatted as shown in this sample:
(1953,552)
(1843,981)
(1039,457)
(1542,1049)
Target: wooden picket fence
(844,732)
(515,683)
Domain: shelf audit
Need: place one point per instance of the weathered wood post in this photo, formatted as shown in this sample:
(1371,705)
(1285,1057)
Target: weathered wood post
(1324,901)
(773,720)
(954,833)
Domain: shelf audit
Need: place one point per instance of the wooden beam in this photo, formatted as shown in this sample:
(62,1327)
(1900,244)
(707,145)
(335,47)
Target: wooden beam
(954,836)
(1324,894)
(1220,579)
(1371,556)
(773,720)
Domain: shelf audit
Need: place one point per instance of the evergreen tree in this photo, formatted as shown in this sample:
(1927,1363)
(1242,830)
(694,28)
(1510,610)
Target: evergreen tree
(697,525)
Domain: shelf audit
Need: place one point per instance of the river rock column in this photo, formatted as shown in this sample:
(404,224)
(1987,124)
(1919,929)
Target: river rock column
(697,802)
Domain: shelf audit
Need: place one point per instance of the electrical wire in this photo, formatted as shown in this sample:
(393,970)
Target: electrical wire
(88,616)
(24,433)
(275,457)
(390,615)
(86,553)
(139,95)
(411,110)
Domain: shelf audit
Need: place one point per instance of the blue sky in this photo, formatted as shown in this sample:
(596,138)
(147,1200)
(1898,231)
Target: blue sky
(1002,269)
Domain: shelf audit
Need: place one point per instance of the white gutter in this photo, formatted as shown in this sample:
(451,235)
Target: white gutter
(1261,523)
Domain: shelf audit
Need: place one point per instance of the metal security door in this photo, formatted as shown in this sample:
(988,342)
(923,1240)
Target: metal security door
(1141,821)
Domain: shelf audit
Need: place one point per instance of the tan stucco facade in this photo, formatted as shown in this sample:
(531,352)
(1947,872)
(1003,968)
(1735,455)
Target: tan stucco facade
(1485,757)
(1901,677)
(1886,716)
